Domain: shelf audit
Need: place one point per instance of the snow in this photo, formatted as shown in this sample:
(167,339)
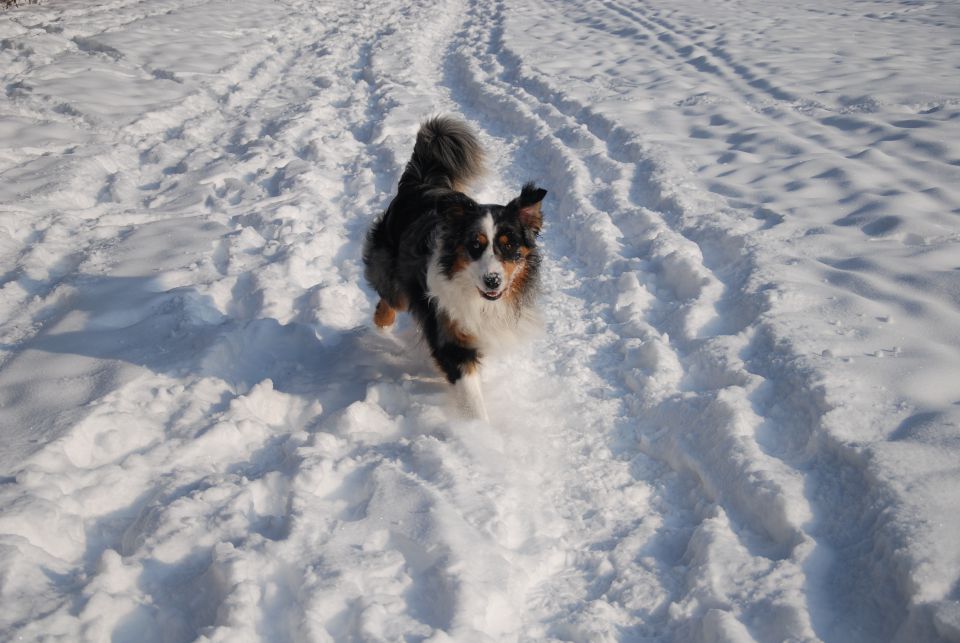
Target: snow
(741,421)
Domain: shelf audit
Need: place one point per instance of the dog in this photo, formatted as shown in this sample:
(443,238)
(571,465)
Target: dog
(467,272)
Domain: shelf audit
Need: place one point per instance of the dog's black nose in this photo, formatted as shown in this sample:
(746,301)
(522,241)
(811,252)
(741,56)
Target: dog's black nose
(492,280)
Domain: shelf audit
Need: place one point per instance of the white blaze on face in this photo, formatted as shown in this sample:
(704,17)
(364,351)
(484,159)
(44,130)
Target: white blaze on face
(488,263)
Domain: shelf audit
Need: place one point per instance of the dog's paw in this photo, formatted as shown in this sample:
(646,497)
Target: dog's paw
(385,315)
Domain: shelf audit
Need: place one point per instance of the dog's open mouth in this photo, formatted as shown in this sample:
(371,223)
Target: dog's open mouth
(491,295)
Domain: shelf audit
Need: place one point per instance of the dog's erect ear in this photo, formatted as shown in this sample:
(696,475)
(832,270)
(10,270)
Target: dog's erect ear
(528,207)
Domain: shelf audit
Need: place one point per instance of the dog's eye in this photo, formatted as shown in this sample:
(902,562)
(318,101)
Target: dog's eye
(475,248)
(509,248)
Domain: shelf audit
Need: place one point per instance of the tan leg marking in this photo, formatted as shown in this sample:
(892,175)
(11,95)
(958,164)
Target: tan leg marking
(385,314)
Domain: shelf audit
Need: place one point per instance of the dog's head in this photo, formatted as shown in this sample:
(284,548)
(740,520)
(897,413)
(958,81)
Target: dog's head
(491,247)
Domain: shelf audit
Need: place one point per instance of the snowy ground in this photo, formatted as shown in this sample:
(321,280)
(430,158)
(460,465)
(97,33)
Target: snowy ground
(742,422)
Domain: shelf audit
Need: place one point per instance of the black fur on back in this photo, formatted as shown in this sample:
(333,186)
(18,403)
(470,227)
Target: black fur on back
(446,157)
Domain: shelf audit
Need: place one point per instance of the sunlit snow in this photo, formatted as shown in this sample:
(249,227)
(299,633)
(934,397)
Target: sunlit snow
(741,421)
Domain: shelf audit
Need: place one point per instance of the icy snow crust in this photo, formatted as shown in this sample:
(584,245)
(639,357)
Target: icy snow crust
(740,423)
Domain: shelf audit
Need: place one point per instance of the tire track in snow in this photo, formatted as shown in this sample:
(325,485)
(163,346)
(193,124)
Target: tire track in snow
(800,122)
(689,266)
(878,181)
(760,503)
(467,539)
(693,53)
(697,288)
(792,409)
(791,401)
(608,589)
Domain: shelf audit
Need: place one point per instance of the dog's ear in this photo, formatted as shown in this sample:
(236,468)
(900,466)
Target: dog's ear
(528,207)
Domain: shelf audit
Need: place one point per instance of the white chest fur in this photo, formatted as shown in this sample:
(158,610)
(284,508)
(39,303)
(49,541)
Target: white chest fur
(494,324)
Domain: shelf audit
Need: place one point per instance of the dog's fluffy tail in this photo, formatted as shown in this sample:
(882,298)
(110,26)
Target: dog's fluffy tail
(447,155)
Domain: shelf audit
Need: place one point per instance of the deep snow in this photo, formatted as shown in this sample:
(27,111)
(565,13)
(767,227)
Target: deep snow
(742,419)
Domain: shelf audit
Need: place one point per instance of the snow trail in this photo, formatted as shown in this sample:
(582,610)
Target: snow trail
(680,292)
(203,438)
(801,418)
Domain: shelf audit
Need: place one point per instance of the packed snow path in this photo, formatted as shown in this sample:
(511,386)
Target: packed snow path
(741,421)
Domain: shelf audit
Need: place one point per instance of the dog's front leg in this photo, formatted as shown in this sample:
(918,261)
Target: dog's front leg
(468,396)
(460,364)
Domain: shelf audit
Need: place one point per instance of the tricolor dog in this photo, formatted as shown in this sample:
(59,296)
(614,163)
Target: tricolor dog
(466,271)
